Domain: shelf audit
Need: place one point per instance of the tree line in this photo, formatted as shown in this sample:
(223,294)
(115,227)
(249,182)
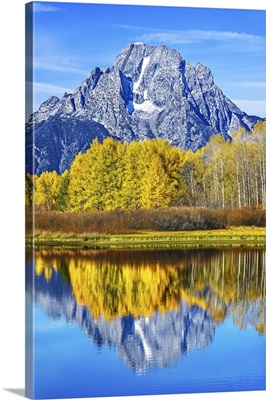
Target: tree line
(116,284)
(152,174)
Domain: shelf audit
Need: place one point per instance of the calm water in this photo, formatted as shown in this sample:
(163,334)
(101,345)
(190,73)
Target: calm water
(117,322)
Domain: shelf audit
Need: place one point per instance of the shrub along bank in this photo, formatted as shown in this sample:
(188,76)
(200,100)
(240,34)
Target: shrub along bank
(132,221)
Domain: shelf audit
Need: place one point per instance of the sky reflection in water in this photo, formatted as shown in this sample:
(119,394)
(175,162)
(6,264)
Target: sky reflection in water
(157,322)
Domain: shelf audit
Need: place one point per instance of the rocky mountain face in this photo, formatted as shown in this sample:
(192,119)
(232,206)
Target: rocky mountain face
(150,92)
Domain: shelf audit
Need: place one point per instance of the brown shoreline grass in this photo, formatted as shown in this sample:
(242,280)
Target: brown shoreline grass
(158,226)
(172,219)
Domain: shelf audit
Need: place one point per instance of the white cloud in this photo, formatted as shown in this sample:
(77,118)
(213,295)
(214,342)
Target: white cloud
(134,27)
(191,36)
(48,88)
(52,65)
(252,107)
(39,7)
(198,36)
(252,84)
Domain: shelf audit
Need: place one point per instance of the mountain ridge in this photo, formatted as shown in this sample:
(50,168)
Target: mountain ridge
(150,92)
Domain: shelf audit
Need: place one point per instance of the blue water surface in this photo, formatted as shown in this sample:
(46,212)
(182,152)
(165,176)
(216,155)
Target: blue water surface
(184,350)
(68,364)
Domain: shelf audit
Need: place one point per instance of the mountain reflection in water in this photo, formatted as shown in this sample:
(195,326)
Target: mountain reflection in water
(152,306)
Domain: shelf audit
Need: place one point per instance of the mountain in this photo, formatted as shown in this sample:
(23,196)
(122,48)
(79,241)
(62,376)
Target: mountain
(141,343)
(150,92)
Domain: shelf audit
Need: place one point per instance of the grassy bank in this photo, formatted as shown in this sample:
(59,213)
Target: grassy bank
(235,236)
(162,227)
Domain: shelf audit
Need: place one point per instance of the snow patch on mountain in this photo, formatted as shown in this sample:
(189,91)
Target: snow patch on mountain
(143,68)
(147,106)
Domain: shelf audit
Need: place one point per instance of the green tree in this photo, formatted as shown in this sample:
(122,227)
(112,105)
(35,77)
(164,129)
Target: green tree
(63,194)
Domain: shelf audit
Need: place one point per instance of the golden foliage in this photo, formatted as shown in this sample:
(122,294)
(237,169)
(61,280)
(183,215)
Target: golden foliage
(114,284)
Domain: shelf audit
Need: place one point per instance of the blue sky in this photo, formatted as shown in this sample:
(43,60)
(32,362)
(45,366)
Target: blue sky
(70,39)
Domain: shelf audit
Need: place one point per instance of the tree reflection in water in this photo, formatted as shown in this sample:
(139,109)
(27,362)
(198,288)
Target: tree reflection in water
(153,306)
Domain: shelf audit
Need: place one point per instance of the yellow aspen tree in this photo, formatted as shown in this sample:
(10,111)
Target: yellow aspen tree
(46,189)
(156,188)
(135,164)
(78,183)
